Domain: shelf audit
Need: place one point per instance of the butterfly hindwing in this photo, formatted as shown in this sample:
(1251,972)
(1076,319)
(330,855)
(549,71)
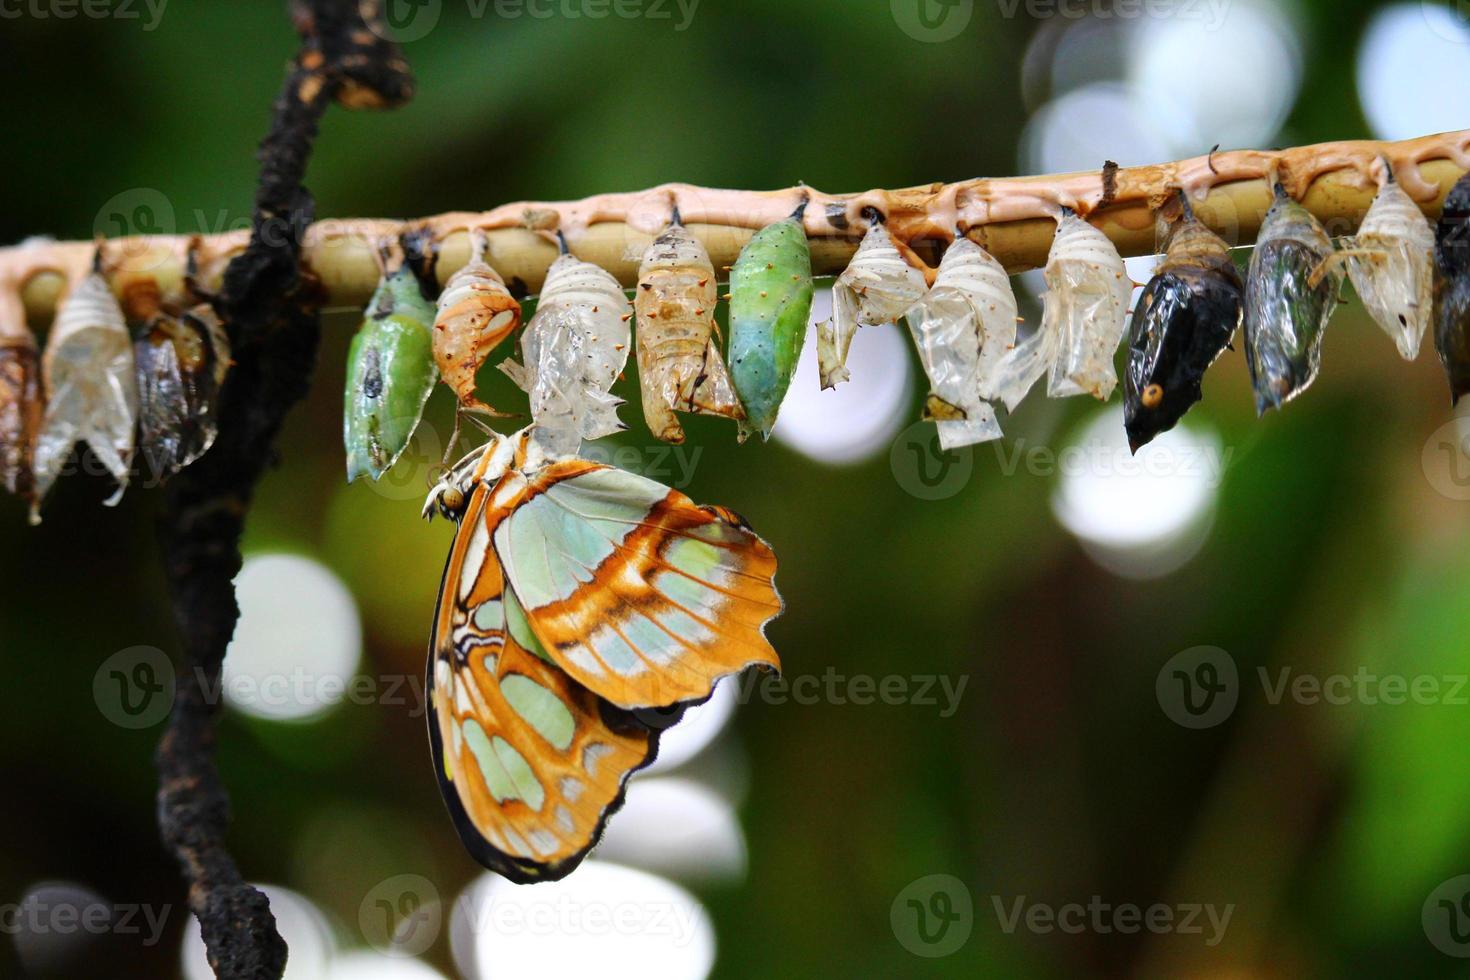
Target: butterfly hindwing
(639,594)
(531,764)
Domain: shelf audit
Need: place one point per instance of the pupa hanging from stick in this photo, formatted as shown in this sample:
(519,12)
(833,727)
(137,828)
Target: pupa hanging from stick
(878,286)
(1183,322)
(91,387)
(679,363)
(770,305)
(1084,314)
(572,351)
(962,328)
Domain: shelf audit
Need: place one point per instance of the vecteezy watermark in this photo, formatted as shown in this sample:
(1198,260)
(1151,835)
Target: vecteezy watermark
(150,12)
(929,472)
(831,687)
(924,469)
(932,21)
(1446,916)
(134,688)
(1100,917)
(1211,12)
(933,916)
(1094,457)
(421,464)
(40,914)
(671,465)
(936,21)
(1200,687)
(413,20)
(401,916)
(523,913)
(1446,459)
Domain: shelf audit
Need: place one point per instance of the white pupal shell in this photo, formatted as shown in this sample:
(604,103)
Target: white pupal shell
(91,388)
(1084,315)
(572,351)
(963,327)
(1390,262)
(877,287)
(1088,289)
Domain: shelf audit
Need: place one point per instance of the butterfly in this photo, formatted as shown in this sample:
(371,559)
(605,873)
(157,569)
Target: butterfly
(582,609)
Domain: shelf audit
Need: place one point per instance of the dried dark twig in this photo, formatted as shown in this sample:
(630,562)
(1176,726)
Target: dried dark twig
(271,310)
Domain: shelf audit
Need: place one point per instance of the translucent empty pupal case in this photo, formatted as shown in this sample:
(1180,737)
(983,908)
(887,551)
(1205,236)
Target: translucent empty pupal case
(21,404)
(476,314)
(92,392)
(182,361)
(877,287)
(572,351)
(1391,263)
(1084,315)
(1290,292)
(679,362)
(963,327)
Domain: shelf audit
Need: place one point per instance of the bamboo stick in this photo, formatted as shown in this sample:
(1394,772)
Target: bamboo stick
(1010,217)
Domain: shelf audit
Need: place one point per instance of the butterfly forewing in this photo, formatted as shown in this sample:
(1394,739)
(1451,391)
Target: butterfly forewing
(635,591)
(531,763)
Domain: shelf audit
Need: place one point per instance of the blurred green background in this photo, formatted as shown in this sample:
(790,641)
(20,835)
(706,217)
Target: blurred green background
(1334,543)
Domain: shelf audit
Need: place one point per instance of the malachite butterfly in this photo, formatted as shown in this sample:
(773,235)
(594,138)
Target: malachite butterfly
(579,604)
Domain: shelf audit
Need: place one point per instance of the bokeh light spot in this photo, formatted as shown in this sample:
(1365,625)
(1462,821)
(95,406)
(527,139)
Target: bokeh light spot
(298,643)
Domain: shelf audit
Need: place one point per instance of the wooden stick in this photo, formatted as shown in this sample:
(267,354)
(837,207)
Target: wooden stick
(1010,217)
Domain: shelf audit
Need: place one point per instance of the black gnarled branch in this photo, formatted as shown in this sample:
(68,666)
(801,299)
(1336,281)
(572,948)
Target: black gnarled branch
(270,308)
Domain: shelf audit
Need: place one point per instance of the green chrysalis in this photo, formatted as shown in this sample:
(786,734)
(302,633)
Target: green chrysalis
(390,372)
(770,303)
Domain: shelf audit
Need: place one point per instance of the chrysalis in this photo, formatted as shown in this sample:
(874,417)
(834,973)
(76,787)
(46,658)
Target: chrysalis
(1085,310)
(390,373)
(679,363)
(91,389)
(181,363)
(476,312)
(877,287)
(770,305)
(963,327)
(1183,322)
(1390,262)
(1286,305)
(1452,287)
(21,404)
(572,351)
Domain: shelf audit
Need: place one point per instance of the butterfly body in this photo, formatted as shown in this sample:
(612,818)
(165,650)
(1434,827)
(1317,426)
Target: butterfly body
(576,595)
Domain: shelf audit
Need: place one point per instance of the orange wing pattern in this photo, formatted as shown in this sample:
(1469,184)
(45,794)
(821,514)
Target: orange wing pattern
(530,763)
(638,593)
